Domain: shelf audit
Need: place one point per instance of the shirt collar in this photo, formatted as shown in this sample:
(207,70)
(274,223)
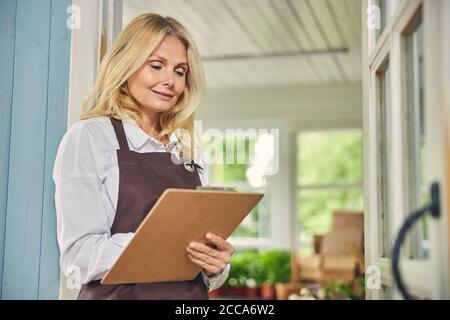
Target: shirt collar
(139,137)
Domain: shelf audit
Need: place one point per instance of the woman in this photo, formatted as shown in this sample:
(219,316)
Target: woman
(112,166)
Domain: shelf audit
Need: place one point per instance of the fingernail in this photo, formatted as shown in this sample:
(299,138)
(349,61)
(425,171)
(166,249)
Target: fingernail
(209,235)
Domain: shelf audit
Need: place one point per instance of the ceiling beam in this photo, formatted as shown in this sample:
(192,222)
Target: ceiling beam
(274,54)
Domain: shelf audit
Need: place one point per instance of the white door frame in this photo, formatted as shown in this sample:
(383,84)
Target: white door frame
(92,21)
(102,18)
(429,277)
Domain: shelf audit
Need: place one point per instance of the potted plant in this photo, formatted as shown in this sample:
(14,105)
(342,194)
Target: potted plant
(277,268)
(340,290)
(237,278)
(254,273)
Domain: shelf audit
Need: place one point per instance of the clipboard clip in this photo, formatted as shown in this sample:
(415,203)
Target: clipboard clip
(191,166)
(213,188)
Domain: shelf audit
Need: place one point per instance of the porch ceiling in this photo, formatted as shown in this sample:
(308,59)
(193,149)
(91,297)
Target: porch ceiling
(254,43)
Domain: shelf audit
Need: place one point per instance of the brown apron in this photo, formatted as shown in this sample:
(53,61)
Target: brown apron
(142,179)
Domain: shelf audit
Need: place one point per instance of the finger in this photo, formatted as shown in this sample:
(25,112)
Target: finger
(220,263)
(204,265)
(220,242)
(203,248)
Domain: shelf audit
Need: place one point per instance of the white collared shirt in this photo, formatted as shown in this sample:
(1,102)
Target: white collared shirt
(86,176)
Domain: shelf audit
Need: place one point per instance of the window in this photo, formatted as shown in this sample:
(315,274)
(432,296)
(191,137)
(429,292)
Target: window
(329,179)
(234,163)
(403,123)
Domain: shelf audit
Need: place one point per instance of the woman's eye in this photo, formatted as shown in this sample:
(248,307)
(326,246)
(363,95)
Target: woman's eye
(155,67)
(180,73)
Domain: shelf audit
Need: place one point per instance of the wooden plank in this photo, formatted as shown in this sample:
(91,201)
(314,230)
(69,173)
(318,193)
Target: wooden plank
(228,38)
(343,18)
(251,37)
(253,22)
(181,11)
(293,19)
(25,187)
(203,13)
(220,39)
(276,27)
(58,85)
(229,34)
(325,23)
(7,38)
(354,8)
(295,27)
(304,12)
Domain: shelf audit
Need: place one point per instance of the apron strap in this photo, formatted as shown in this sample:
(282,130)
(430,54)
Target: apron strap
(120,133)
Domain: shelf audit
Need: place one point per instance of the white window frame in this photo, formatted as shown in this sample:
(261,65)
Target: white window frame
(426,278)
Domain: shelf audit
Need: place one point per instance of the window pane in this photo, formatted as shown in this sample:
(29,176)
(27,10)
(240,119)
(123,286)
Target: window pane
(329,157)
(383,6)
(257,223)
(316,207)
(222,169)
(415,184)
(232,171)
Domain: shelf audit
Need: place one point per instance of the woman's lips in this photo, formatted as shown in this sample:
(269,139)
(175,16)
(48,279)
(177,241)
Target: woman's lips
(162,95)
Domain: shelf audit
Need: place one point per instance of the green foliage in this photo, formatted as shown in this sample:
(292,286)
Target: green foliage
(317,206)
(327,157)
(238,272)
(346,291)
(253,268)
(276,266)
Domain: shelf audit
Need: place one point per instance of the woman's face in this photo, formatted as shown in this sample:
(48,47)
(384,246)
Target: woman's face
(160,81)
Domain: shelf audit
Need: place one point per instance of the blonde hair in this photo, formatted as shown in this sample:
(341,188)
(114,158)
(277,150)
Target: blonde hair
(110,96)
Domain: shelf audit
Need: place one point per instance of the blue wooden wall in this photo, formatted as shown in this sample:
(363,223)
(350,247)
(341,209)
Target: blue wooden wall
(34,73)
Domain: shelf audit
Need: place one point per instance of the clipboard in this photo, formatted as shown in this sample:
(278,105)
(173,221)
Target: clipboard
(157,252)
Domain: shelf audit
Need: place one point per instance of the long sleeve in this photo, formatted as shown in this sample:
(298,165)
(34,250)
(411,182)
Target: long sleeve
(218,280)
(83,229)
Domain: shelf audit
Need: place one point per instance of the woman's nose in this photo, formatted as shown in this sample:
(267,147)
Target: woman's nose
(169,79)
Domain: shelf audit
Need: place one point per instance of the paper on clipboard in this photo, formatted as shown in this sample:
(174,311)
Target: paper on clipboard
(157,251)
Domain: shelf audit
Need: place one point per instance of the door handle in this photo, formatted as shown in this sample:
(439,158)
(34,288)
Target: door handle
(432,208)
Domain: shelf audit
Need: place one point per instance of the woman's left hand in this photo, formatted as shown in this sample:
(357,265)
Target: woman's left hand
(213,260)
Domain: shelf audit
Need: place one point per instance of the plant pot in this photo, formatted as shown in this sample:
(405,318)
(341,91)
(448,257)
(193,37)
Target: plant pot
(237,291)
(267,291)
(252,292)
(225,291)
